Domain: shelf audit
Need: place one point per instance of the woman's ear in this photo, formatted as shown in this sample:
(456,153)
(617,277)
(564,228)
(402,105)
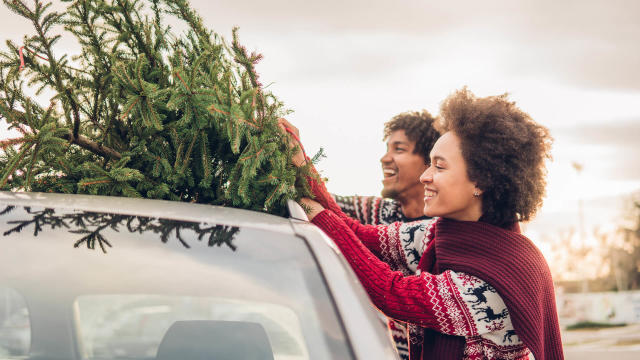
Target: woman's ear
(477,192)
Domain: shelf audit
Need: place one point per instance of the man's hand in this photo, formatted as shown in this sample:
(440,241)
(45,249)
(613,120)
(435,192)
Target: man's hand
(293,134)
(312,205)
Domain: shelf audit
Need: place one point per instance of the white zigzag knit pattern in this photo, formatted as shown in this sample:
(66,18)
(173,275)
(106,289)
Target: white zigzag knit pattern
(432,291)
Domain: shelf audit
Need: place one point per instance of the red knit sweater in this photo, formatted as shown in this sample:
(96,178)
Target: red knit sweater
(505,259)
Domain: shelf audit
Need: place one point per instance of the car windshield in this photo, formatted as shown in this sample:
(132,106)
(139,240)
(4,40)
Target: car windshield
(78,284)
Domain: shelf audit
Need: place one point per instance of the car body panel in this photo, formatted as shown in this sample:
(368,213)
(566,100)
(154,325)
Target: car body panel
(365,331)
(366,327)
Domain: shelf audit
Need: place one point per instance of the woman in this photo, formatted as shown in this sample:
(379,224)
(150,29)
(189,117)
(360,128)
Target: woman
(481,290)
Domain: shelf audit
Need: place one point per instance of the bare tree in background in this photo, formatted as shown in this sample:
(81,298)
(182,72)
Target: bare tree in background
(629,253)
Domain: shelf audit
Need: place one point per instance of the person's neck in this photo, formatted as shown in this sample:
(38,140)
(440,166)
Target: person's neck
(412,209)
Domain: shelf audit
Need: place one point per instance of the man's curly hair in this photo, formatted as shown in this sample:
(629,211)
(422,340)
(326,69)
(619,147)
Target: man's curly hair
(418,127)
(505,153)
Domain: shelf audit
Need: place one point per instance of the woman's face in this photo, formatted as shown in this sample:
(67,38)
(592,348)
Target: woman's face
(448,192)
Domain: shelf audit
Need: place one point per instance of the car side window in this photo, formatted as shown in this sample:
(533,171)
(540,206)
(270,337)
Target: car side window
(15,325)
(135,326)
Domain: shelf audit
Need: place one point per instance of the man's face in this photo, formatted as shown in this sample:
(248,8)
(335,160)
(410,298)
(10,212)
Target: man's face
(402,168)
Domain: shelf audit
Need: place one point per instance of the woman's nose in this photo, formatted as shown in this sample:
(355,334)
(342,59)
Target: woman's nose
(426,176)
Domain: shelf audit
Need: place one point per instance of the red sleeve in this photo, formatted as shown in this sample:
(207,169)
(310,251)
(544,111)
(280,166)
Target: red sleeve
(419,299)
(369,235)
(324,197)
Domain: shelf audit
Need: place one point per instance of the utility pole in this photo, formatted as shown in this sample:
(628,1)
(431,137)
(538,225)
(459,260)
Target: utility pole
(578,167)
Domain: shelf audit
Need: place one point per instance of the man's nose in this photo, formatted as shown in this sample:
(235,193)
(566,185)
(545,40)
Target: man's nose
(386,158)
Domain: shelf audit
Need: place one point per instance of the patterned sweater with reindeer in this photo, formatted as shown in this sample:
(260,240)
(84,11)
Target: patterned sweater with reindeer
(452,303)
(373,210)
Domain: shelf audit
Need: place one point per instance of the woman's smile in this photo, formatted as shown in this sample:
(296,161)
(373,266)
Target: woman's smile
(428,194)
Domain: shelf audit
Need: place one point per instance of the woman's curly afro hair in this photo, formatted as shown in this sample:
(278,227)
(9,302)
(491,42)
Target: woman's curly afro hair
(505,153)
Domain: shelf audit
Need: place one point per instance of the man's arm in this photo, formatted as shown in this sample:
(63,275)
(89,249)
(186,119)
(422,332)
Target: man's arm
(366,209)
(350,206)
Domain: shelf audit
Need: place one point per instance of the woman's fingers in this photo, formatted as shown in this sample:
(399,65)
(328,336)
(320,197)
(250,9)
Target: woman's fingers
(289,130)
(282,125)
(287,125)
(299,158)
(313,206)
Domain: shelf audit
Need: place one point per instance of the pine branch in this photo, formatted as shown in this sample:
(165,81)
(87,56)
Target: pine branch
(80,140)
(126,7)
(92,146)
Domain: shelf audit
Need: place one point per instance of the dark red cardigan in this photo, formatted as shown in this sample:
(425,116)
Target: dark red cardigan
(514,267)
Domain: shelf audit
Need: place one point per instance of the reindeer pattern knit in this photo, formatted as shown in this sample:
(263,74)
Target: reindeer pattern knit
(462,304)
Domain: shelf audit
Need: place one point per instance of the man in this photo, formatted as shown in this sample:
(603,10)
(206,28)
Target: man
(410,137)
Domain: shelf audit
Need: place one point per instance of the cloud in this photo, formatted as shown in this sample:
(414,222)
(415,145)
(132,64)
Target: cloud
(623,134)
(586,43)
(608,150)
(329,15)
(590,43)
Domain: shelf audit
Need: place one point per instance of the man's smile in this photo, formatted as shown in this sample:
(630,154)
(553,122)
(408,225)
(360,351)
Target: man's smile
(389,172)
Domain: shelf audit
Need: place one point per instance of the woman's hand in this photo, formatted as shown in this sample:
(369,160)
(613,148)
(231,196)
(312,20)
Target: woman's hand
(293,134)
(314,207)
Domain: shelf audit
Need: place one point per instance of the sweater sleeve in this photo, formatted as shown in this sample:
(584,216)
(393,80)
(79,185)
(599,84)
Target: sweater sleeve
(451,303)
(370,210)
(374,237)
(350,205)
(368,234)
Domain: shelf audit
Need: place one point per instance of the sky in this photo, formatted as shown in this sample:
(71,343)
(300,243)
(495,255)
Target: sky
(346,67)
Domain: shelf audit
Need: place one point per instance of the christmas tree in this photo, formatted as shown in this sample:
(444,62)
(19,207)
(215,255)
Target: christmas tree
(142,111)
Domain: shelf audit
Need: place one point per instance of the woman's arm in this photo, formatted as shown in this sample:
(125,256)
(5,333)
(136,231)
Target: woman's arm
(398,244)
(451,303)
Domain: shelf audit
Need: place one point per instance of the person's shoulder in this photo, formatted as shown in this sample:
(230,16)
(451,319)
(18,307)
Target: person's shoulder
(516,249)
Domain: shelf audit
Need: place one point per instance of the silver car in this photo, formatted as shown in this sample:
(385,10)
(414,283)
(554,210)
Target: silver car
(89,277)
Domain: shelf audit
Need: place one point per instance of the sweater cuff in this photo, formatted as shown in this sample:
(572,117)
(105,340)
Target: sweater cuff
(326,220)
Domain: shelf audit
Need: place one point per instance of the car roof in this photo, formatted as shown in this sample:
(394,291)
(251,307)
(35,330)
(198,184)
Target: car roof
(166,209)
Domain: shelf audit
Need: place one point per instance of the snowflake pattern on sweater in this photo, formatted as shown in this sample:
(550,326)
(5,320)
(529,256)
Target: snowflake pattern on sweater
(371,210)
(451,303)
